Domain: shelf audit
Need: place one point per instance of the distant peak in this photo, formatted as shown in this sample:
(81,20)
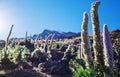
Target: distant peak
(46,30)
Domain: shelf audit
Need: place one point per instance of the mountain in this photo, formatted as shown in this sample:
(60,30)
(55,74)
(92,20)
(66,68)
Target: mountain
(58,35)
(62,35)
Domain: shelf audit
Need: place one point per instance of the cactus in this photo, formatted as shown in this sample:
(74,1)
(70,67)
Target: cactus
(51,41)
(37,38)
(85,42)
(47,38)
(26,35)
(46,43)
(7,41)
(108,53)
(80,54)
(37,41)
(97,44)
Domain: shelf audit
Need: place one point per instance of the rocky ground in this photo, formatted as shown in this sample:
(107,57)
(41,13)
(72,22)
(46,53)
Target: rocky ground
(35,72)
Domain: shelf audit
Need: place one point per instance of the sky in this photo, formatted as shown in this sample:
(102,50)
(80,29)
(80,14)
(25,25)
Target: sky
(33,16)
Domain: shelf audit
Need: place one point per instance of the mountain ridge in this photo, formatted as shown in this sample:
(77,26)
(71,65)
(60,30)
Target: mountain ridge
(58,35)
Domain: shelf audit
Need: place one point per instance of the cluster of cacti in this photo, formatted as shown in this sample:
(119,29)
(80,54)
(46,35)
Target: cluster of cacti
(85,42)
(46,49)
(99,58)
(43,53)
(103,54)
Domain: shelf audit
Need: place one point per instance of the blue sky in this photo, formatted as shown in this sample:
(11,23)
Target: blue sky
(34,16)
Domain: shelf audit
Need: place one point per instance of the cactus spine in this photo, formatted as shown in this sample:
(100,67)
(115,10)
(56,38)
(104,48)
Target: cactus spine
(85,42)
(108,53)
(97,44)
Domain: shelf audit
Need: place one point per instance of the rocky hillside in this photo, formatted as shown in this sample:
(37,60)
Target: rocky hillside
(115,34)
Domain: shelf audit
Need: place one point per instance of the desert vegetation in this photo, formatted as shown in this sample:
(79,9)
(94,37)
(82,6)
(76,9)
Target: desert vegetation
(85,56)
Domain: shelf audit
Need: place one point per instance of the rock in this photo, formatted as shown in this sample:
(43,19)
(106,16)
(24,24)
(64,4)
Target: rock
(26,65)
(60,68)
(57,55)
(64,47)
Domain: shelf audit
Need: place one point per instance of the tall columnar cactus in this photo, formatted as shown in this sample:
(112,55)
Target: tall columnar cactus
(46,40)
(26,35)
(97,44)
(37,41)
(80,54)
(51,42)
(85,42)
(108,53)
(7,41)
(37,38)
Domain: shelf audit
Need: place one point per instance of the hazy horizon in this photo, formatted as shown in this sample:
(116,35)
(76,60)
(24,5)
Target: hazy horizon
(33,16)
